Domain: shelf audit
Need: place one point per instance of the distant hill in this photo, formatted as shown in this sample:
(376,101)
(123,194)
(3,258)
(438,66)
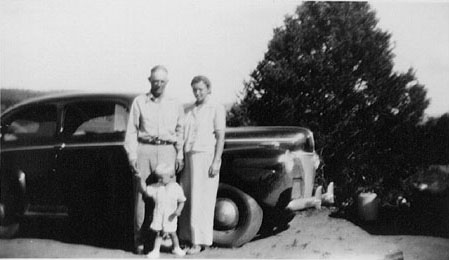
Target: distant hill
(11,96)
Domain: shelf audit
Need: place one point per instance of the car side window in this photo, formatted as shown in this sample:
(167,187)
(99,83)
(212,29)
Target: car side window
(95,121)
(36,124)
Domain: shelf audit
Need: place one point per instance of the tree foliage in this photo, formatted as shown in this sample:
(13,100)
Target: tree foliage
(434,142)
(330,68)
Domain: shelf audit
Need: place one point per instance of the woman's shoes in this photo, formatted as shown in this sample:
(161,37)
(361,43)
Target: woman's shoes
(138,250)
(195,249)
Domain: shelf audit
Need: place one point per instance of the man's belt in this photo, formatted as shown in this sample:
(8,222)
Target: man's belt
(154,141)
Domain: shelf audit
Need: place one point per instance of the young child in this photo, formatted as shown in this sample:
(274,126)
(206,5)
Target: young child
(169,201)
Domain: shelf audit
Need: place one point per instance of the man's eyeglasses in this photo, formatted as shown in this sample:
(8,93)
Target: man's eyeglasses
(156,81)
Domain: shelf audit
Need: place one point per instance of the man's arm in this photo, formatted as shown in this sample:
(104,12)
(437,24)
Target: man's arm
(131,134)
(179,131)
(141,187)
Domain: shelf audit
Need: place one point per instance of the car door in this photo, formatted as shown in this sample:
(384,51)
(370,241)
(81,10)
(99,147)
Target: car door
(95,166)
(28,148)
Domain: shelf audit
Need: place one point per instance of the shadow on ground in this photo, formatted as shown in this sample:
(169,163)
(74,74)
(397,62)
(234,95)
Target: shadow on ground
(401,222)
(64,231)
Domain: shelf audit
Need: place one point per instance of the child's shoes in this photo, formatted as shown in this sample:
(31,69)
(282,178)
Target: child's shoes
(178,251)
(153,254)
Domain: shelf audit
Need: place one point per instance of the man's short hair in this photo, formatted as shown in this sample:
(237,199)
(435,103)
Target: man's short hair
(157,68)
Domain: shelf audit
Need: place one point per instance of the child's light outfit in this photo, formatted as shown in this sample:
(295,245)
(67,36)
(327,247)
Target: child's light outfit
(166,198)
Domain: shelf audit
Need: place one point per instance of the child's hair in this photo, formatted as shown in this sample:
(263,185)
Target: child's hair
(164,169)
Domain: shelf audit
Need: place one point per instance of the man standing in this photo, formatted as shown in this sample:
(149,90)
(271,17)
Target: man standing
(154,136)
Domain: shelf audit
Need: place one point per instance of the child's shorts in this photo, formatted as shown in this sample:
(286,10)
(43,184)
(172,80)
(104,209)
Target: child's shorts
(165,225)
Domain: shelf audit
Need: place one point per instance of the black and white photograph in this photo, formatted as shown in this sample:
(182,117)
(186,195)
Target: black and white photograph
(211,129)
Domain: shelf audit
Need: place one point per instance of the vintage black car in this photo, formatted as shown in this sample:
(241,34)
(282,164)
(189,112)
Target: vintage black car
(63,156)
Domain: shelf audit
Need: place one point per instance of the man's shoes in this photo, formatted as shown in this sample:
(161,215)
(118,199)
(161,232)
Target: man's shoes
(178,251)
(153,254)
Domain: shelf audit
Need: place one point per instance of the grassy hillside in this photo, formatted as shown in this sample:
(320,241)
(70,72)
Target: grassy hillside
(9,97)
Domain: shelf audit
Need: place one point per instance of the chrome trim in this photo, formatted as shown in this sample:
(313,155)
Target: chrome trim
(46,211)
(62,145)
(297,153)
(45,214)
(28,148)
(77,145)
(262,140)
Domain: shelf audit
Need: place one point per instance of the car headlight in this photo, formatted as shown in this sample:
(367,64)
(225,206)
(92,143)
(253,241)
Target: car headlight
(316,161)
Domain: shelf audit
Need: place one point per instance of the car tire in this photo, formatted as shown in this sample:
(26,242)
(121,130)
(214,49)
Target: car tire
(9,227)
(248,220)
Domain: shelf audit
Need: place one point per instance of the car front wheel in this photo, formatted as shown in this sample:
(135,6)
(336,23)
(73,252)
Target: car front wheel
(238,217)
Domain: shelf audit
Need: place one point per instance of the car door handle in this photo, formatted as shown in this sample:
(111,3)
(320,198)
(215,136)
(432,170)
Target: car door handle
(60,147)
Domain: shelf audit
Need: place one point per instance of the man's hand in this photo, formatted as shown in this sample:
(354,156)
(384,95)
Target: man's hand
(133,165)
(179,165)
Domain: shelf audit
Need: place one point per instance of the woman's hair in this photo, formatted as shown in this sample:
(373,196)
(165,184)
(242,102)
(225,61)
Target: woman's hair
(201,78)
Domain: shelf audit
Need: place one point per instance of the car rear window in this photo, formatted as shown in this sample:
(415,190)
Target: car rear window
(35,124)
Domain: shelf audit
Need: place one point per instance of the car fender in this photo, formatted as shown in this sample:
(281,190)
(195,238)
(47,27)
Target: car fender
(258,171)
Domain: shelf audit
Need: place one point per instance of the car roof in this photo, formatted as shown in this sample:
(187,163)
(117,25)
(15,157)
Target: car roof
(75,95)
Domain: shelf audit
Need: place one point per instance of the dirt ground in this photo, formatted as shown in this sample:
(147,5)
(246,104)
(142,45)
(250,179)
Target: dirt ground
(312,234)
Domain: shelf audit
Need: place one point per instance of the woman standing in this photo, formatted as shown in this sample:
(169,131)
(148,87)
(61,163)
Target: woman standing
(204,140)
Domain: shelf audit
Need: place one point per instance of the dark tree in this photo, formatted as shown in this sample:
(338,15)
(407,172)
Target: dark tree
(330,68)
(434,141)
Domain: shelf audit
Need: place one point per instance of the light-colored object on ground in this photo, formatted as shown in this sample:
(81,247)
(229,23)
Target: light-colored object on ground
(328,197)
(305,203)
(396,255)
(368,206)
(316,201)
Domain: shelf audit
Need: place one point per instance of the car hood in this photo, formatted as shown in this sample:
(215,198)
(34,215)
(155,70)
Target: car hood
(291,138)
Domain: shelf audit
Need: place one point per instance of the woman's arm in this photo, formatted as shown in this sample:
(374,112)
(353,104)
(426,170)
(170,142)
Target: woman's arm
(219,136)
(219,125)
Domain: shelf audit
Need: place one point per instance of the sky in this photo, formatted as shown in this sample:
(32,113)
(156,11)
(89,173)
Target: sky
(111,45)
